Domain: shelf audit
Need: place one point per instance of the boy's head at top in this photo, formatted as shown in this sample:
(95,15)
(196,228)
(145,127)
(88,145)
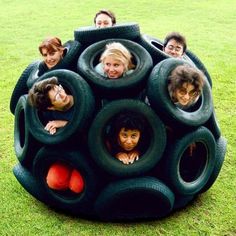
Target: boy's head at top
(104,18)
(48,94)
(175,44)
(116,60)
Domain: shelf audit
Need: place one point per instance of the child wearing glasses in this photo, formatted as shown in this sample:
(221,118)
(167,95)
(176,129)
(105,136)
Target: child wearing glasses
(115,61)
(126,137)
(50,98)
(57,107)
(185,85)
(175,45)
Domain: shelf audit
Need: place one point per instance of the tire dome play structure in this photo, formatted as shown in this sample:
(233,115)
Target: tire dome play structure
(165,178)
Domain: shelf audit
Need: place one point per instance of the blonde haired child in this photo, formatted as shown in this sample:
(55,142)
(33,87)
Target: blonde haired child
(115,61)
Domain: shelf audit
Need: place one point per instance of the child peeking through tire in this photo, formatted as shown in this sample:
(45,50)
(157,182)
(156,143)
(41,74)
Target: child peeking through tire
(126,136)
(50,97)
(185,85)
(115,61)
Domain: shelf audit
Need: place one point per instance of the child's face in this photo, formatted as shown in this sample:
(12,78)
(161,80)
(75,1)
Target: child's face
(174,48)
(113,68)
(51,59)
(103,21)
(60,100)
(186,94)
(128,138)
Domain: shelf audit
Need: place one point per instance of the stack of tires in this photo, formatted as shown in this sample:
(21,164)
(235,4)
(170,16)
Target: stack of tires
(165,178)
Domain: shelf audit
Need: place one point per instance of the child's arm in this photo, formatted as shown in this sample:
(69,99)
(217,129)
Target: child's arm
(52,126)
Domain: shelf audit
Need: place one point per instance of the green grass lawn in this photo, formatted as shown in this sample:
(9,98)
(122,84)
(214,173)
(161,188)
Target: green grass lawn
(209,27)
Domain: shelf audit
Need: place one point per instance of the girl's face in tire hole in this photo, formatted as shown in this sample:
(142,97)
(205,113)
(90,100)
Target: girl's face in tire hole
(114,69)
(128,138)
(186,94)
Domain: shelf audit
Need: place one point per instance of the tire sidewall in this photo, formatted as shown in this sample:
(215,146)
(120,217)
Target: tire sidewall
(159,97)
(83,109)
(175,153)
(99,150)
(128,84)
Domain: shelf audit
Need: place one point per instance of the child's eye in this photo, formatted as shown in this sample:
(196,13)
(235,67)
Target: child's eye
(182,91)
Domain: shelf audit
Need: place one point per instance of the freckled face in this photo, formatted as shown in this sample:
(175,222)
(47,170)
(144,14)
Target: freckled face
(114,69)
(51,59)
(128,139)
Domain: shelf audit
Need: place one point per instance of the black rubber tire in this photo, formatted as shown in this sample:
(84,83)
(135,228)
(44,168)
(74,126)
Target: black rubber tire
(68,62)
(89,34)
(182,201)
(221,144)
(199,65)
(213,125)
(198,173)
(21,86)
(66,200)
(159,97)
(103,157)
(154,46)
(83,109)
(25,144)
(118,88)
(29,182)
(132,199)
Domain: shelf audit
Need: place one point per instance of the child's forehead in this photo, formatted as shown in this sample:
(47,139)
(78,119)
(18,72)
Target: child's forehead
(187,85)
(113,58)
(130,130)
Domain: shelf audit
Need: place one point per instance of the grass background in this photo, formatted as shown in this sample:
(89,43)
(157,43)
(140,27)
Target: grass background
(209,27)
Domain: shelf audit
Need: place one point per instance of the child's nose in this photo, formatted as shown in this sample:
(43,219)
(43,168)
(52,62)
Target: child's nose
(128,140)
(112,68)
(186,96)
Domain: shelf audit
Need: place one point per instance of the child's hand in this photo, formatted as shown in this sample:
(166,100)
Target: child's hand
(122,156)
(52,126)
(133,156)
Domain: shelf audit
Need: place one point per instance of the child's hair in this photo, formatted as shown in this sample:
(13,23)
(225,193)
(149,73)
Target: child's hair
(38,94)
(52,44)
(185,74)
(177,37)
(119,52)
(128,120)
(108,13)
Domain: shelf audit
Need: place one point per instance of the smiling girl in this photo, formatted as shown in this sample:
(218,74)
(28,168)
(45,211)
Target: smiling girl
(126,136)
(185,86)
(115,61)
